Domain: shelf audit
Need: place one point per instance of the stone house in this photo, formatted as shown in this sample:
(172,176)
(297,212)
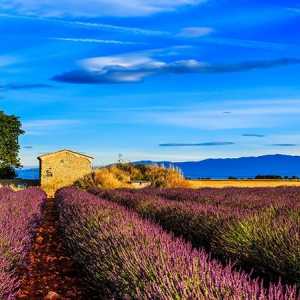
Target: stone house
(62,168)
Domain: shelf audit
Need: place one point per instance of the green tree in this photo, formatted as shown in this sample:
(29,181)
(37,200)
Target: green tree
(10,130)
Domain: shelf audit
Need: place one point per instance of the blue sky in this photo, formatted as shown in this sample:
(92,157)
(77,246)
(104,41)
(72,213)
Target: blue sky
(152,79)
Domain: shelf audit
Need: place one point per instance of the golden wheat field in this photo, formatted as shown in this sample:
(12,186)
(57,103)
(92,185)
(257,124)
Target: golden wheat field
(242,183)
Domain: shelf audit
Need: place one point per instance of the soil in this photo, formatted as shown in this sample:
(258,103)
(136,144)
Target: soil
(49,273)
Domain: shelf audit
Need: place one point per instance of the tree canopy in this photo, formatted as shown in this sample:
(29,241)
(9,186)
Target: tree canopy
(10,130)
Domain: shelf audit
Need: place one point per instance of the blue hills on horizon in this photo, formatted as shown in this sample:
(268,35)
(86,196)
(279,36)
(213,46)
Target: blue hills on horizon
(219,168)
(31,173)
(243,167)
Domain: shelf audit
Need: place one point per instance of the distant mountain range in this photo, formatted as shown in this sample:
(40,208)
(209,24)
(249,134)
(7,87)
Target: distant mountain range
(28,173)
(243,167)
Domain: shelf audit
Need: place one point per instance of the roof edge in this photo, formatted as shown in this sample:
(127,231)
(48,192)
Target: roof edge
(64,150)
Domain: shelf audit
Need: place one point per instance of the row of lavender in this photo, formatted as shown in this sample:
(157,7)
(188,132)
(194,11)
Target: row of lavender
(20,213)
(249,198)
(259,235)
(123,256)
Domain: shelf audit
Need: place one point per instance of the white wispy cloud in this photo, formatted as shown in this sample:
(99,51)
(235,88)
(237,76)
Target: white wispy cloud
(293,9)
(92,8)
(123,29)
(6,60)
(247,43)
(254,114)
(40,127)
(187,32)
(96,41)
(115,69)
(194,32)
(90,25)
(134,67)
(132,61)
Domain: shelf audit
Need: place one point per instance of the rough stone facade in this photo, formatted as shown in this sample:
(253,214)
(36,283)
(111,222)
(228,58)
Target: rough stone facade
(62,168)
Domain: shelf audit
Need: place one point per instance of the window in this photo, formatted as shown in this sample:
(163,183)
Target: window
(49,173)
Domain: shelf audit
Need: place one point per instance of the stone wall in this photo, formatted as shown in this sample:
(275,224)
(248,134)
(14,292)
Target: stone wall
(62,169)
(140,184)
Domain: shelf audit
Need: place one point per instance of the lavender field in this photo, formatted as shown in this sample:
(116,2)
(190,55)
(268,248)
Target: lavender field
(127,257)
(150,244)
(257,229)
(20,214)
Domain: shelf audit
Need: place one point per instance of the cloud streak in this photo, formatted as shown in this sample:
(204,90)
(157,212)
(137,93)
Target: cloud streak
(284,145)
(93,8)
(7,60)
(25,86)
(195,32)
(91,25)
(251,116)
(40,127)
(251,44)
(187,32)
(253,135)
(120,29)
(207,144)
(135,68)
(295,10)
(94,41)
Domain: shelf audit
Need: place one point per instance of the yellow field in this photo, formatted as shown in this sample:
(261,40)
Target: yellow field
(242,183)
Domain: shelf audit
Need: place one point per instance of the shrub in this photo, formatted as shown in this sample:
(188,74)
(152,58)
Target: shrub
(7,173)
(269,242)
(121,176)
(164,177)
(106,179)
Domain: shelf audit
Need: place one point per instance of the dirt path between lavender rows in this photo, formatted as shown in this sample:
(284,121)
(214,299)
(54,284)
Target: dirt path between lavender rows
(50,274)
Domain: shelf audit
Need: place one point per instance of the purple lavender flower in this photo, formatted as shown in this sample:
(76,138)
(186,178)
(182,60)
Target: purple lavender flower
(20,213)
(124,256)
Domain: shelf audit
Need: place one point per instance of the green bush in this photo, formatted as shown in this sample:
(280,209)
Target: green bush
(7,173)
(268,241)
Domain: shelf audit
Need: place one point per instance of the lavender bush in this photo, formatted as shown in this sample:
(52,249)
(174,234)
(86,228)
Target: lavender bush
(125,257)
(251,198)
(195,222)
(20,213)
(5,193)
(256,234)
(269,242)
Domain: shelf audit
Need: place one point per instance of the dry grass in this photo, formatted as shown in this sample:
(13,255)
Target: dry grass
(125,175)
(13,187)
(242,183)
